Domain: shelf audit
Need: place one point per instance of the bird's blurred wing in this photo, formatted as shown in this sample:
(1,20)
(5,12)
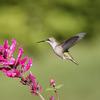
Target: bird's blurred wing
(71,41)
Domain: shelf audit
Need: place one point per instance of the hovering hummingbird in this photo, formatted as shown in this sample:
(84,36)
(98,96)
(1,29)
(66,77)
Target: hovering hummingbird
(62,49)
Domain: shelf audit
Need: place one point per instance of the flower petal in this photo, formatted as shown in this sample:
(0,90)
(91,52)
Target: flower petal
(28,65)
(11,73)
(19,56)
(22,62)
(32,78)
(6,46)
(12,48)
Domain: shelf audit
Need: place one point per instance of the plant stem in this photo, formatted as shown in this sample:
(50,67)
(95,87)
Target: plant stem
(42,98)
(57,95)
(56,92)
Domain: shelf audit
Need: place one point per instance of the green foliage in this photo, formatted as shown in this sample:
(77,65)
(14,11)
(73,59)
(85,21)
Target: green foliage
(49,17)
(56,87)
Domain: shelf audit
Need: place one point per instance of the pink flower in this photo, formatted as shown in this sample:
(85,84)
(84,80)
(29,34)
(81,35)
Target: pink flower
(52,82)
(11,73)
(12,48)
(19,56)
(31,81)
(26,67)
(13,67)
(52,98)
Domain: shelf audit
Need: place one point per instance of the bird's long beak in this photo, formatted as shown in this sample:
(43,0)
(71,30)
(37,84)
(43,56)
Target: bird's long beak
(41,41)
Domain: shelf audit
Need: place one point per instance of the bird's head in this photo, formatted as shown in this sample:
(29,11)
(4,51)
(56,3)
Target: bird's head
(50,40)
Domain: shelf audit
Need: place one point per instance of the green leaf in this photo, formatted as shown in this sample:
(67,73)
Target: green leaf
(49,89)
(59,86)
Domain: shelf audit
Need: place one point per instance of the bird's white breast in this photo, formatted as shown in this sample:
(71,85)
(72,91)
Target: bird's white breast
(58,50)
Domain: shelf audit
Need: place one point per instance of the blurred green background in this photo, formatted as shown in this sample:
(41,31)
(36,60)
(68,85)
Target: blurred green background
(30,21)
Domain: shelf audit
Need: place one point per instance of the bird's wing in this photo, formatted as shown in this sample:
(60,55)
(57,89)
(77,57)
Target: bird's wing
(71,41)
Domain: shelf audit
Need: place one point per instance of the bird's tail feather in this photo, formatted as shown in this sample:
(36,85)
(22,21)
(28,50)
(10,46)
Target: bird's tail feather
(69,57)
(74,61)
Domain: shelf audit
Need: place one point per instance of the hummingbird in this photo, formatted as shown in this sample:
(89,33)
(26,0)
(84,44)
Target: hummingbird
(62,49)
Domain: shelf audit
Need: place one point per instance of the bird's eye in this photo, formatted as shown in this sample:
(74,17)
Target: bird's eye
(48,39)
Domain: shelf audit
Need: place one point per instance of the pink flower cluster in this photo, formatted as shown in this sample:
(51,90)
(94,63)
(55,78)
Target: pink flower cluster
(13,67)
(31,81)
(16,67)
